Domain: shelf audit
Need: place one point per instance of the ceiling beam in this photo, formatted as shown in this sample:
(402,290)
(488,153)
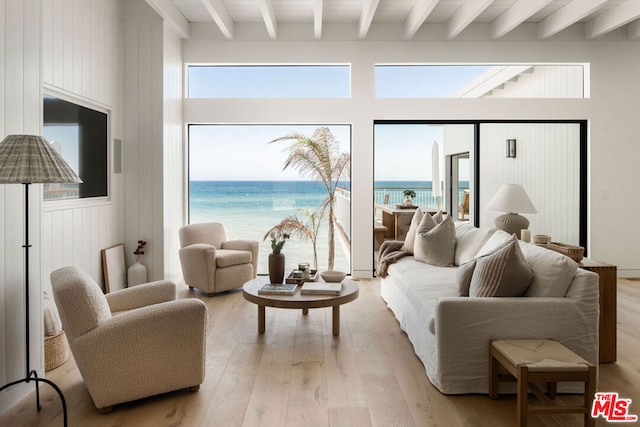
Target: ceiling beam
(465,16)
(516,15)
(220,16)
(417,16)
(633,30)
(612,19)
(317,18)
(368,11)
(566,16)
(172,15)
(269,16)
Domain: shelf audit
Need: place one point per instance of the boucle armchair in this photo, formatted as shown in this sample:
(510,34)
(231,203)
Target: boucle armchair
(212,263)
(133,343)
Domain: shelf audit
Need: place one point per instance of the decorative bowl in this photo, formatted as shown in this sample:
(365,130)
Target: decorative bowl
(333,276)
(541,238)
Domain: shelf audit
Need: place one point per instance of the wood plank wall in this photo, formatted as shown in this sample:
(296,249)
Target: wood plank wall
(547,165)
(82,62)
(20,112)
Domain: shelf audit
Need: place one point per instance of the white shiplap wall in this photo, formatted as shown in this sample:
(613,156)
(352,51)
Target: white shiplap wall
(547,165)
(153,148)
(82,62)
(77,54)
(20,112)
(173,164)
(544,81)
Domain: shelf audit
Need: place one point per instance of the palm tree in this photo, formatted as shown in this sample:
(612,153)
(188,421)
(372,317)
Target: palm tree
(297,228)
(319,158)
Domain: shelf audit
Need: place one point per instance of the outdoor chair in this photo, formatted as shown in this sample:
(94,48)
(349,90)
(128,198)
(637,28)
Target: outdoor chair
(212,263)
(463,208)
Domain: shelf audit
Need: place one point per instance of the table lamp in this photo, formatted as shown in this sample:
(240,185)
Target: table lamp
(29,159)
(512,199)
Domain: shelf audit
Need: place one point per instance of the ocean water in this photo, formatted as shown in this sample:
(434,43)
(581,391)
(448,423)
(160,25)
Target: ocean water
(248,209)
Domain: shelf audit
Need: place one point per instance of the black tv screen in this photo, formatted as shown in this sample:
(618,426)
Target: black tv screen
(80,135)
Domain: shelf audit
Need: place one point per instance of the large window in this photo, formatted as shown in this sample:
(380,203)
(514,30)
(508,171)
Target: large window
(550,163)
(269,81)
(482,81)
(80,135)
(237,176)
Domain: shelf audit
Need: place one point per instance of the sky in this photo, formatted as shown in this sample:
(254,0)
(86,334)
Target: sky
(219,151)
(65,140)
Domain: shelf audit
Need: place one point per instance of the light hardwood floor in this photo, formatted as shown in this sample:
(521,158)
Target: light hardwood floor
(298,374)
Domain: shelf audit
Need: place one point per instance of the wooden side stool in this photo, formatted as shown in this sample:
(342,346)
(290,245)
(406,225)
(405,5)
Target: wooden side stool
(541,361)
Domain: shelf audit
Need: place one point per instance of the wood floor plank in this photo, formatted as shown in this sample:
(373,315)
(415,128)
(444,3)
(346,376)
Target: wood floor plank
(298,374)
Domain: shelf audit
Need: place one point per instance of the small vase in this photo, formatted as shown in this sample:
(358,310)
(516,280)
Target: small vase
(408,201)
(136,274)
(276,267)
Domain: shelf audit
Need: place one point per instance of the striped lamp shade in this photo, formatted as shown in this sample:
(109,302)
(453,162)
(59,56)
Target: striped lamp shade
(29,159)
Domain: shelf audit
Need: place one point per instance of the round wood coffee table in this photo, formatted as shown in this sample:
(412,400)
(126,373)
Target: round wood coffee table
(298,301)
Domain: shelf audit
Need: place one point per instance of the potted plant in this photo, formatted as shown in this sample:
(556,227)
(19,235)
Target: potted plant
(408,196)
(276,258)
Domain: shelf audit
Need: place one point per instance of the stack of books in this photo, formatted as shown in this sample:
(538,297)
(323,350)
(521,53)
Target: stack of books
(278,289)
(321,288)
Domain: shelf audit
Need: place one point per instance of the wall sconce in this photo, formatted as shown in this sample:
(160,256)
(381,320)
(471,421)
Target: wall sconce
(511,148)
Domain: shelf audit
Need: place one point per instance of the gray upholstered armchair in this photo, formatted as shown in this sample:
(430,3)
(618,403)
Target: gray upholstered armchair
(212,263)
(155,343)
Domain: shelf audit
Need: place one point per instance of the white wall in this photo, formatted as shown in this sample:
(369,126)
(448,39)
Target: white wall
(82,62)
(20,112)
(80,58)
(153,148)
(173,163)
(554,81)
(547,164)
(612,112)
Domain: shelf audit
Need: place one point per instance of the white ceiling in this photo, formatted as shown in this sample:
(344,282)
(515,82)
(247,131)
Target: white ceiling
(550,16)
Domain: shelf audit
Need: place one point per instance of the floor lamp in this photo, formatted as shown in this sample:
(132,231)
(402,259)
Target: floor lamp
(29,159)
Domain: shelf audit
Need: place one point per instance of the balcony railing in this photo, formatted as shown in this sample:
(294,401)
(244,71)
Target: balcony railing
(424,198)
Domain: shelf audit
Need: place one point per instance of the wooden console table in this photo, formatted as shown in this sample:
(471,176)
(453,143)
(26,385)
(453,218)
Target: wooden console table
(608,307)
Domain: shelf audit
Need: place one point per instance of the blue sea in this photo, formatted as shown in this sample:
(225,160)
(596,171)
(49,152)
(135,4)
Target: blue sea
(248,209)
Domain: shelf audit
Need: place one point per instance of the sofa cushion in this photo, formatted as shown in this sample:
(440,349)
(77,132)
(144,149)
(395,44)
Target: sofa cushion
(463,277)
(435,243)
(503,273)
(229,257)
(496,240)
(413,229)
(469,240)
(552,271)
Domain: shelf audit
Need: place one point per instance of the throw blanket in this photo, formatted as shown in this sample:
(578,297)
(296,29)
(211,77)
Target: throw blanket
(390,252)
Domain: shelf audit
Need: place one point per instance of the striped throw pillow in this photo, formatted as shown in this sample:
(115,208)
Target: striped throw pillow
(502,273)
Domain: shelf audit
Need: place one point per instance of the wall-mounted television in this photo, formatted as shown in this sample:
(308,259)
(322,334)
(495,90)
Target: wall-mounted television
(80,135)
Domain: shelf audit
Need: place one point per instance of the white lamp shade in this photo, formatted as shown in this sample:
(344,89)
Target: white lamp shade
(29,159)
(512,198)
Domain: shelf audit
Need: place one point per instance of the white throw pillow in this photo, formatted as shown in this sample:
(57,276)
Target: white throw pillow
(503,273)
(410,239)
(469,240)
(435,243)
(552,271)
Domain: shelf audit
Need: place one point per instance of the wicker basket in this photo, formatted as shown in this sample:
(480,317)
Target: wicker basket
(576,253)
(56,351)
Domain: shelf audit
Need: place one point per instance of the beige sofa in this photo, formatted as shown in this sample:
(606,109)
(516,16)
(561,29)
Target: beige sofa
(133,343)
(450,333)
